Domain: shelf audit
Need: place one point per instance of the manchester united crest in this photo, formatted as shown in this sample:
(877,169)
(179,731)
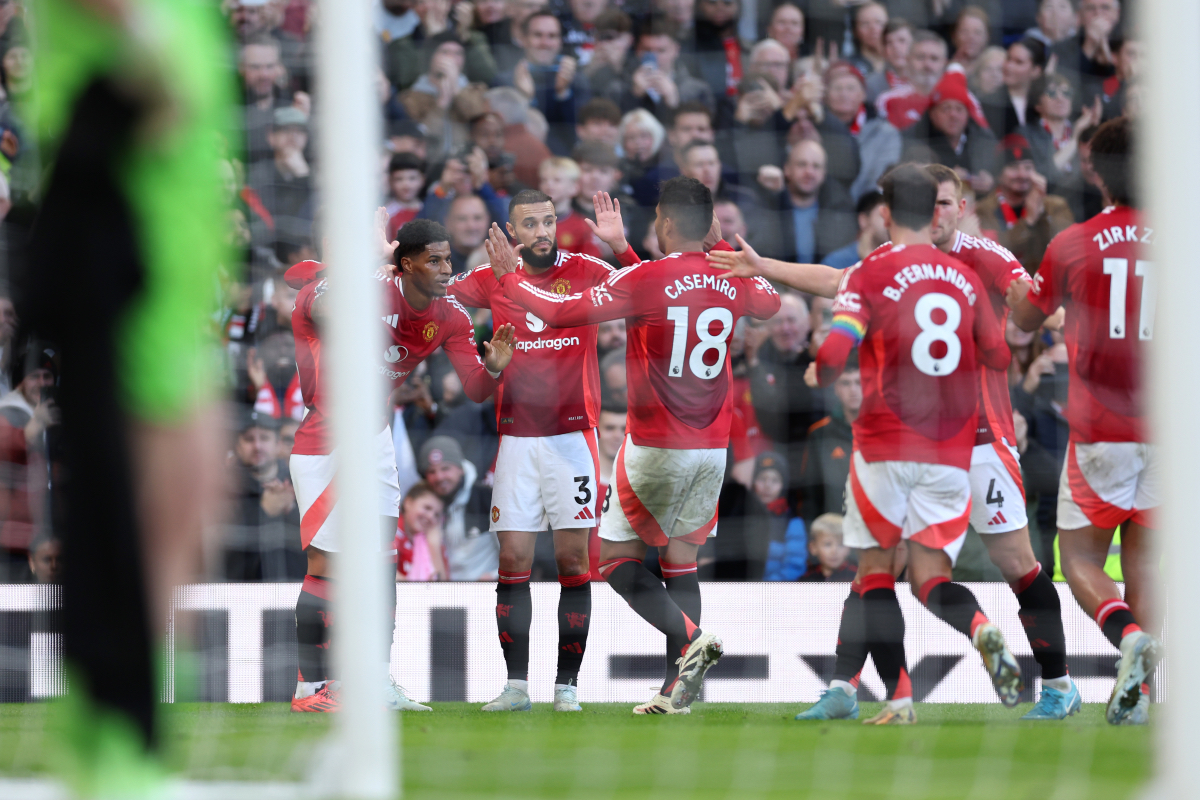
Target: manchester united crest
(429,331)
(495,513)
(561,286)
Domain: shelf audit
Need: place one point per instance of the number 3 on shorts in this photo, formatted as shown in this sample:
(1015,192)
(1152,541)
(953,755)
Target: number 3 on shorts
(585,493)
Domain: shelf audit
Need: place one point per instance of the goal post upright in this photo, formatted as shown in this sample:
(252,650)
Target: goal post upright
(364,757)
(1170,172)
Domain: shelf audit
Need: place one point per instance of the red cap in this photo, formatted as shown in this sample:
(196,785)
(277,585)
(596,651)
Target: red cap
(837,68)
(953,86)
(1014,148)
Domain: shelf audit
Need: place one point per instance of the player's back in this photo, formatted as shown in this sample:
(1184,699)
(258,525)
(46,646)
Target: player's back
(678,345)
(919,314)
(1101,270)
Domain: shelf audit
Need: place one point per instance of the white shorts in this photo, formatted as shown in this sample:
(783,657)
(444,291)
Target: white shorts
(887,501)
(545,482)
(1108,483)
(997,491)
(660,494)
(312,477)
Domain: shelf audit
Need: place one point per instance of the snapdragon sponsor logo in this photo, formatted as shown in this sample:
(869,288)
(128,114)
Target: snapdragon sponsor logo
(548,344)
(392,374)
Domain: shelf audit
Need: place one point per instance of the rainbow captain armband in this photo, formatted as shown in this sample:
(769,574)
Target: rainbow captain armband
(849,327)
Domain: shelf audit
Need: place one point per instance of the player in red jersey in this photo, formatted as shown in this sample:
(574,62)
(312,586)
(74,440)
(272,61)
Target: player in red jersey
(997,490)
(679,313)
(547,411)
(923,334)
(419,319)
(1101,271)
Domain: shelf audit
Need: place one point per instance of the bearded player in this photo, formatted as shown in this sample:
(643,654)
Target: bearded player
(1101,271)
(419,319)
(680,313)
(547,410)
(923,332)
(997,489)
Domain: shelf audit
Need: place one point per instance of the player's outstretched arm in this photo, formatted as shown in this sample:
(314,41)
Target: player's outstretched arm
(609,227)
(499,351)
(1025,314)
(815,279)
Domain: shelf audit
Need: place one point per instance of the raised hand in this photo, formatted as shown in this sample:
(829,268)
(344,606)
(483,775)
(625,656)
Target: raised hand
(386,249)
(744,263)
(609,227)
(499,351)
(501,254)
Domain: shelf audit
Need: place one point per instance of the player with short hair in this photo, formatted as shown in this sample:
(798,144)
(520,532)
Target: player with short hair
(547,411)
(997,489)
(680,313)
(419,319)
(924,333)
(1101,271)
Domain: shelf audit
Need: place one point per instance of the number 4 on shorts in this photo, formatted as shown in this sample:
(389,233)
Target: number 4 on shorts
(994,497)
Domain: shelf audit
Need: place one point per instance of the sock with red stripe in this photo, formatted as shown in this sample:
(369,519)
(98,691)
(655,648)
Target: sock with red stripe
(313,620)
(574,618)
(953,604)
(1041,617)
(852,639)
(514,614)
(1116,621)
(683,585)
(650,599)
(885,634)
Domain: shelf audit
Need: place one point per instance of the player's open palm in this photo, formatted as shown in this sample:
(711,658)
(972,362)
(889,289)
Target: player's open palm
(499,351)
(608,227)
(503,256)
(744,263)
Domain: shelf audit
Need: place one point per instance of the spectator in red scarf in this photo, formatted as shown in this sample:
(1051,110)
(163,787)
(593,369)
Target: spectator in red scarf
(878,140)
(1020,209)
(904,104)
(419,552)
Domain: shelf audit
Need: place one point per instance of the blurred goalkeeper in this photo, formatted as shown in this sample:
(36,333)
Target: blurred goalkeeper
(122,273)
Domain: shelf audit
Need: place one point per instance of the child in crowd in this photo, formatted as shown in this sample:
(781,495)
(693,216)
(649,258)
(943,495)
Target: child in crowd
(406,181)
(419,554)
(785,533)
(559,178)
(828,552)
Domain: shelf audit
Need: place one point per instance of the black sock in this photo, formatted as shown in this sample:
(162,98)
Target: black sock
(885,634)
(1115,620)
(574,618)
(514,613)
(1041,617)
(313,618)
(852,638)
(653,603)
(684,587)
(954,604)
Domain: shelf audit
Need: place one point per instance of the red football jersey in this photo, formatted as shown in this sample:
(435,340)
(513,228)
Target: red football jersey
(1102,272)
(553,383)
(996,268)
(921,329)
(412,337)
(679,313)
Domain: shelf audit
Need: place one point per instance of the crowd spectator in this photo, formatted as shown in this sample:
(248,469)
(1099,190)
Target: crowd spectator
(599,171)
(806,216)
(828,553)
(786,26)
(872,232)
(752,520)
(986,76)
(954,132)
(1012,106)
(614,381)
(598,122)
(420,555)
(970,36)
(27,414)
(699,159)
(642,138)
(8,330)
(661,82)
(784,406)
(879,143)
(897,43)
(45,559)
(283,184)
(472,551)
(406,180)
(1057,20)
(262,534)
(904,104)
(1026,216)
(870,22)
(1086,58)
(825,464)
(550,79)
(610,336)
(467,220)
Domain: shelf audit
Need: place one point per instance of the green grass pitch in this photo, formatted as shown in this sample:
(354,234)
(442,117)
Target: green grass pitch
(722,750)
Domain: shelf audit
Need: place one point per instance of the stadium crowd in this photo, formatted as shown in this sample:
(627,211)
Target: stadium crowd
(788,112)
